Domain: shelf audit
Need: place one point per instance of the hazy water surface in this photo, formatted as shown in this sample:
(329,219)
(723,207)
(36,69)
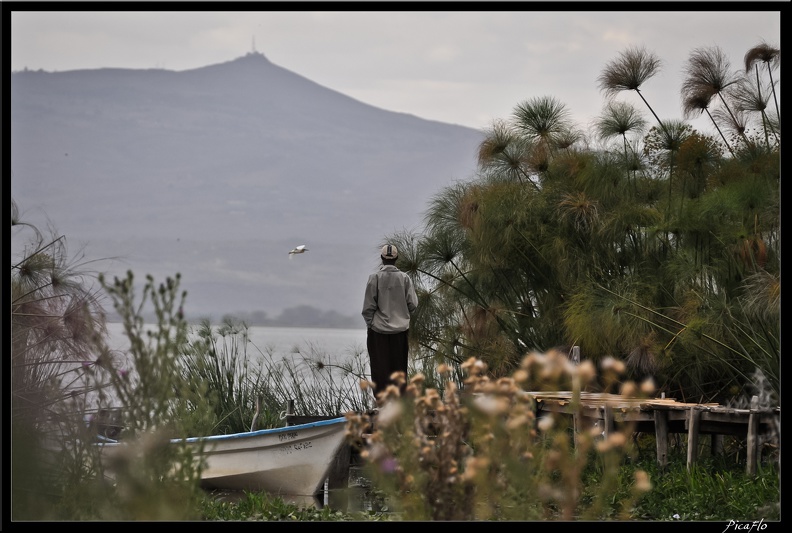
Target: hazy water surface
(301,348)
(282,341)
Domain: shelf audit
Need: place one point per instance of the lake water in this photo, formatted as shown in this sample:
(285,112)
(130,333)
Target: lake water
(338,350)
(336,344)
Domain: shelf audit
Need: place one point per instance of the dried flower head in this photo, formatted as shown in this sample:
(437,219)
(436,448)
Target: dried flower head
(389,413)
(629,389)
(546,423)
(491,405)
(612,364)
(648,386)
(642,481)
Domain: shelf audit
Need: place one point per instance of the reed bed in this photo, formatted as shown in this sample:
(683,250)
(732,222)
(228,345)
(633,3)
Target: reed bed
(458,446)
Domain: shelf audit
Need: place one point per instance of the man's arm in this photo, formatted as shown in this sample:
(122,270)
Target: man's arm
(370,300)
(412,298)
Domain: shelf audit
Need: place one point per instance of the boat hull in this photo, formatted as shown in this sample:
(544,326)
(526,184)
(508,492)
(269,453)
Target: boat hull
(289,461)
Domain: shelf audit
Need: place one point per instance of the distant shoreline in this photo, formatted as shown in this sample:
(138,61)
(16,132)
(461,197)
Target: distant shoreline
(295,317)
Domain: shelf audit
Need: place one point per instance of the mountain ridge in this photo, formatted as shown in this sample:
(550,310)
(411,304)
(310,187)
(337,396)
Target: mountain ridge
(216,172)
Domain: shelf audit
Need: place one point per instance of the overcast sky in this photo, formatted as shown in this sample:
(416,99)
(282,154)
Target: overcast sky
(459,67)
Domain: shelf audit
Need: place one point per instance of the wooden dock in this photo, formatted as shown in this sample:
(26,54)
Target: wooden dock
(663,416)
(659,416)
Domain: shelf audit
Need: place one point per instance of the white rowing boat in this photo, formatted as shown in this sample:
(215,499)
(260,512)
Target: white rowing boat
(288,461)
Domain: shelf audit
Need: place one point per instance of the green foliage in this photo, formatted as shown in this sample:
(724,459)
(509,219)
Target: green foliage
(148,384)
(316,385)
(263,507)
(665,259)
(153,479)
(217,364)
(652,255)
(246,385)
(57,325)
(482,454)
(713,490)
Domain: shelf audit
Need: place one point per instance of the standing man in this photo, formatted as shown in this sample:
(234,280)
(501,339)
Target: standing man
(387,305)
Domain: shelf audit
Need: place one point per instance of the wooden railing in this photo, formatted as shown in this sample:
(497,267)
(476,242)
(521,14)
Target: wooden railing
(664,416)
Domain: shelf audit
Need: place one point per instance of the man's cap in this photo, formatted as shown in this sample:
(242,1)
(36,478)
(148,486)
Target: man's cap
(389,252)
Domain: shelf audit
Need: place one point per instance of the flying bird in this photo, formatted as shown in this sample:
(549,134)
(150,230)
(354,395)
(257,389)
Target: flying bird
(299,250)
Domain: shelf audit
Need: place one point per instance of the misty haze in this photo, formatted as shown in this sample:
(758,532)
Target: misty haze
(216,173)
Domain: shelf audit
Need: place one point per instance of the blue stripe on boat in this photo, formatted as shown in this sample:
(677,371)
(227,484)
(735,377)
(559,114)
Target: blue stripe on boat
(246,434)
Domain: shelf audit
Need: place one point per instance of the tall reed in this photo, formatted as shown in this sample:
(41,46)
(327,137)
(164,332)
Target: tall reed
(252,387)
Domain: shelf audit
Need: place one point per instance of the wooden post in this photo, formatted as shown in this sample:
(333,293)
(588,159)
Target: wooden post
(753,437)
(289,416)
(607,415)
(576,427)
(661,436)
(574,356)
(694,421)
(716,444)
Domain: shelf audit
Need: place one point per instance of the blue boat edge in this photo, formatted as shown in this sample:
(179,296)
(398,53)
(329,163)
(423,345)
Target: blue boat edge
(269,431)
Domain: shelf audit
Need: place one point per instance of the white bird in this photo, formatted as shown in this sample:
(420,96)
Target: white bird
(299,250)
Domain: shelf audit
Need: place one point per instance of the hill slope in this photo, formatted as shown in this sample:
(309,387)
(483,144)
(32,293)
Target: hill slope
(217,172)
